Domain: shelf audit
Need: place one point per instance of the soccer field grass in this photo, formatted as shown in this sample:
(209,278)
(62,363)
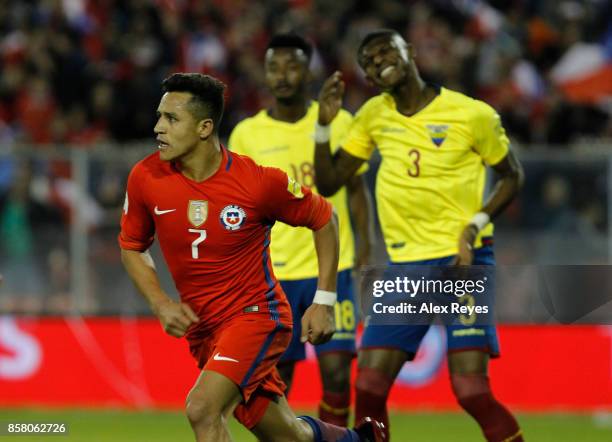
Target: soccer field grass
(156,426)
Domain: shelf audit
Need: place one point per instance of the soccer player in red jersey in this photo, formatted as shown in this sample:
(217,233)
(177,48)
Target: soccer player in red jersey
(212,212)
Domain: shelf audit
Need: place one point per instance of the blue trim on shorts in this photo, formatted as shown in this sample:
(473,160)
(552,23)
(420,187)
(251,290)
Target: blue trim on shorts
(261,354)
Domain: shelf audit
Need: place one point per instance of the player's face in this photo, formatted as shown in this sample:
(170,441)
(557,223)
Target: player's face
(177,129)
(286,72)
(386,61)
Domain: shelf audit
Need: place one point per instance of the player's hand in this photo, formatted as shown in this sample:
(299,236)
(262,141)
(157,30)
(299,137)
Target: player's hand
(175,317)
(466,246)
(330,98)
(318,325)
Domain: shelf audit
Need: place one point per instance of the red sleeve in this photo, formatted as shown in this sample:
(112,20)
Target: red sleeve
(286,200)
(137,227)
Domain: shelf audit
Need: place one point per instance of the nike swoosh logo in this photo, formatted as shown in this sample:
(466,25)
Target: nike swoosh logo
(161,212)
(218,357)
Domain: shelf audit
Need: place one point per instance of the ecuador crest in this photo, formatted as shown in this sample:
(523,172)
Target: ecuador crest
(197,212)
(437,133)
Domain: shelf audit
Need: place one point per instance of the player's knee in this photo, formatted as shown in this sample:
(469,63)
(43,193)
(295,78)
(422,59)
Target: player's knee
(336,377)
(202,411)
(468,387)
(371,382)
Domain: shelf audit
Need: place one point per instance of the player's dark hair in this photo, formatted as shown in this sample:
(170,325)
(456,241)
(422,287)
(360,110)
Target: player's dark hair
(206,94)
(370,36)
(292,41)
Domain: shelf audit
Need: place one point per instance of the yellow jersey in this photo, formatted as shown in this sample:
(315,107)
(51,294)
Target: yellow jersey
(432,174)
(290,147)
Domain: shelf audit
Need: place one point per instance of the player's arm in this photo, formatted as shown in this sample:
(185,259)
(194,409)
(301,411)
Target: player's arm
(175,317)
(284,199)
(360,205)
(135,238)
(318,324)
(510,180)
(331,171)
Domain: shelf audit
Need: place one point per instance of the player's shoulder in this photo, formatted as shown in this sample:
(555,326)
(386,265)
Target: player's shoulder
(375,104)
(248,164)
(344,115)
(255,176)
(243,133)
(469,106)
(242,166)
(249,123)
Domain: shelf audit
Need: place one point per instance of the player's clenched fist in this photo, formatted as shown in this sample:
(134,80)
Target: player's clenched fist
(175,317)
(330,98)
(318,324)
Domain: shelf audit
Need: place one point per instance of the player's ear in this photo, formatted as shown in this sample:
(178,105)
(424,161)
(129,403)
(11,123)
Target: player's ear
(206,128)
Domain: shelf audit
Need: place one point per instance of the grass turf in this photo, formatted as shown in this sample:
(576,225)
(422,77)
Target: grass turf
(154,426)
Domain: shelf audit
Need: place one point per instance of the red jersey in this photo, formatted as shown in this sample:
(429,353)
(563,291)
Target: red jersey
(215,234)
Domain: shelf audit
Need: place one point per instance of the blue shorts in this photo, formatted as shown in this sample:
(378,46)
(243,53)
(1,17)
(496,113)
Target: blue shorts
(459,337)
(300,294)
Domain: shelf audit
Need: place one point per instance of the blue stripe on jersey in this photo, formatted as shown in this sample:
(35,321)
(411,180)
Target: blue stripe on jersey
(272,303)
(229,160)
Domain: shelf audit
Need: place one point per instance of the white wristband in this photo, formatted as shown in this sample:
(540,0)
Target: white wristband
(322,133)
(324,297)
(480,220)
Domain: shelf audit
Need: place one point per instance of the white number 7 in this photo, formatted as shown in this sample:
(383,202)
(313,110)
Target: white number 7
(196,242)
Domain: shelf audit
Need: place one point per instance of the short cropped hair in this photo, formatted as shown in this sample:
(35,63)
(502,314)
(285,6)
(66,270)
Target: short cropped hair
(389,33)
(206,94)
(292,41)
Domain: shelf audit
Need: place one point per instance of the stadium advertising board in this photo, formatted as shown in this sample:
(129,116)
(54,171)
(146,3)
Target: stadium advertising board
(130,362)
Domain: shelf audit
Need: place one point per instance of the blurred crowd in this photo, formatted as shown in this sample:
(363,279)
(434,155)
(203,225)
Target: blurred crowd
(84,73)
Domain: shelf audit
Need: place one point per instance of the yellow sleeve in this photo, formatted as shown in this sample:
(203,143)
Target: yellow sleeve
(358,141)
(341,126)
(490,139)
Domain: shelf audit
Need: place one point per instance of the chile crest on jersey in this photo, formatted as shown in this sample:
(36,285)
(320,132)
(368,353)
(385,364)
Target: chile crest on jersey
(232,217)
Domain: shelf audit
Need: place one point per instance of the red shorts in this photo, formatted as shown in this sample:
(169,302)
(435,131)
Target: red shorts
(246,351)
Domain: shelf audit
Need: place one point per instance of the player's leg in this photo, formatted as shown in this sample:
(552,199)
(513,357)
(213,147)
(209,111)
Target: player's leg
(210,402)
(470,383)
(280,424)
(237,361)
(470,348)
(335,357)
(286,370)
(383,352)
(297,293)
(335,370)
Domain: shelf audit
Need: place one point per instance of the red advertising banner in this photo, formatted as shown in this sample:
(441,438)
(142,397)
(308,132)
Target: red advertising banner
(130,362)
